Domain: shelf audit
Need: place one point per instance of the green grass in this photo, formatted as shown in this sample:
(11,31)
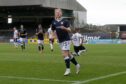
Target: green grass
(32,67)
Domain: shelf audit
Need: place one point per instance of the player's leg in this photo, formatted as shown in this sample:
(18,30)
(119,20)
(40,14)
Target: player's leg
(65,53)
(51,44)
(39,45)
(16,42)
(42,45)
(81,49)
(67,62)
(76,50)
(21,43)
(24,43)
(74,61)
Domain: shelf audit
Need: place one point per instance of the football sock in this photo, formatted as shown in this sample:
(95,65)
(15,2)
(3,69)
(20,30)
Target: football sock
(73,60)
(51,45)
(39,48)
(67,61)
(42,47)
(23,45)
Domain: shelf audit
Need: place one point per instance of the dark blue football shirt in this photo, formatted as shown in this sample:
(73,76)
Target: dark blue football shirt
(22,33)
(40,34)
(61,34)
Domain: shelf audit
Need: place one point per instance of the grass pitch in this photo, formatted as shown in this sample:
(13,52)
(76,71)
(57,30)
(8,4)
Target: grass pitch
(101,64)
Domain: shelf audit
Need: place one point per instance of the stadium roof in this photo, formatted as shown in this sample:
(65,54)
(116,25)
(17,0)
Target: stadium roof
(64,4)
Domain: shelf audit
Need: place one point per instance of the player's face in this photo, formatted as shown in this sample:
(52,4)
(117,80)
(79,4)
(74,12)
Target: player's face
(58,13)
(14,28)
(22,27)
(39,26)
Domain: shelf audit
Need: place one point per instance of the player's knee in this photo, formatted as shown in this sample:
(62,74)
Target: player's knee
(65,53)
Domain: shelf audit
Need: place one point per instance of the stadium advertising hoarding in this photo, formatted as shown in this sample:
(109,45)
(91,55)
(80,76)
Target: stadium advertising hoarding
(88,41)
(33,41)
(101,39)
(97,35)
(104,41)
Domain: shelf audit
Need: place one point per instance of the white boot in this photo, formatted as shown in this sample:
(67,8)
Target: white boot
(67,72)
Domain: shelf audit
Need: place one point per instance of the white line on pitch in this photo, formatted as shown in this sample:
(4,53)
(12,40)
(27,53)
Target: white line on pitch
(101,77)
(36,79)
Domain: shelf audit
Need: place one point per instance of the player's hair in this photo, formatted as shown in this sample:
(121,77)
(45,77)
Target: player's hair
(58,9)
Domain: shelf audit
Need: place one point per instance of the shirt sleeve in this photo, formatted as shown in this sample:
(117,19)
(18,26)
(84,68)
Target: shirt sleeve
(53,26)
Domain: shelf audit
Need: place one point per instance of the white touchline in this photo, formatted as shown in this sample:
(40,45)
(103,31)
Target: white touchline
(101,77)
(36,79)
(73,82)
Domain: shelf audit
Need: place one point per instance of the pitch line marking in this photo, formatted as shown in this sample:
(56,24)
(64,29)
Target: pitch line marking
(72,82)
(36,79)
(101,77)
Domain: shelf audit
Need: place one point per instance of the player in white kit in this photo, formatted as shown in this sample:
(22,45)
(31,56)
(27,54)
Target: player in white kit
(50,33)
(77,40)
(15,36)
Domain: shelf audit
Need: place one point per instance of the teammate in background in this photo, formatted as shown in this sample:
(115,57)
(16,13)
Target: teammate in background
(15,36)
(77,40)
(50,34)
(23,35)
(40,36)
(62,28)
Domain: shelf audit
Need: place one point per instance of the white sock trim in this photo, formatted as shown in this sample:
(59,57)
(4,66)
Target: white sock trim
(67,57)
